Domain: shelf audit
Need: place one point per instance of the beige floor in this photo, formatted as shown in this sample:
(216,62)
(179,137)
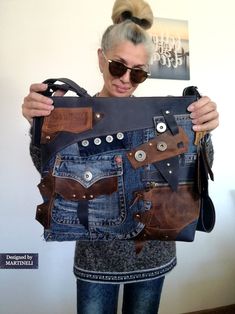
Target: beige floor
(230,309)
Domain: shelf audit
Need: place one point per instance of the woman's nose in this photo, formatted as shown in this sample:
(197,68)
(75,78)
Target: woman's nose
(126,76)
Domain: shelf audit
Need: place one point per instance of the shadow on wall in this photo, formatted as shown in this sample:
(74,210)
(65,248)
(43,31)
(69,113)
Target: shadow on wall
(233,195)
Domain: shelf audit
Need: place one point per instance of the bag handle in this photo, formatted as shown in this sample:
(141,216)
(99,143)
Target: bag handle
(68,85)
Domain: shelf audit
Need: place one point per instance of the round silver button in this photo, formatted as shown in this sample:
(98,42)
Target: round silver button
(120,136)
(87,176)
(161,146)
(109,138)
(97,141)
(140,155)
(85,143)
(161,127)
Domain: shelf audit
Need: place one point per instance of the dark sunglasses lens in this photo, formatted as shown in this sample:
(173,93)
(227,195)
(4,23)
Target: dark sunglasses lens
(138,76)
(117,68)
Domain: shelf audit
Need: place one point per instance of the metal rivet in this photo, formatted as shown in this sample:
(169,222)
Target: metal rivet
(109,138)
(137,216)
(153,184)
(168,164)
(91,196)
(140,155)
(120,135)
(170,171)
(97,141)
(161,146)
(161,127)
(39,210)
(87,176)
(74,195)
(85,143)
(48,137)
(98,115)
(167,112)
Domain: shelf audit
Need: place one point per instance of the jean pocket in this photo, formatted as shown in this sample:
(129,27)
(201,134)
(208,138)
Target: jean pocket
(91,185)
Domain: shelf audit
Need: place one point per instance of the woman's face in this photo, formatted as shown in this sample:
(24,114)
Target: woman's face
(133,56)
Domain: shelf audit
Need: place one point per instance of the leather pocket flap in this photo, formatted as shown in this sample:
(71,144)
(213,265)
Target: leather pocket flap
(70,189)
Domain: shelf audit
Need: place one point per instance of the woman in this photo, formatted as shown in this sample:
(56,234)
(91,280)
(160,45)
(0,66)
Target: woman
(100,267)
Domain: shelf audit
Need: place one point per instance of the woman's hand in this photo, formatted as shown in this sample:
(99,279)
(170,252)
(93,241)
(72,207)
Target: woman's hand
(204,114)
(35,104)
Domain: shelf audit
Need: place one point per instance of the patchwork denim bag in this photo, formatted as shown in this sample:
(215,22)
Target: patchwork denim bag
(122,168)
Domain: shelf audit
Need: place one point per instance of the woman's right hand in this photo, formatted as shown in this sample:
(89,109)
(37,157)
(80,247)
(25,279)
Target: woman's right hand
(35,104)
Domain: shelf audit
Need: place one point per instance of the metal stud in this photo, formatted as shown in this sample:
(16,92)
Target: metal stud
(97,141)
(161,146)
(161,127)
(87,176)
(109,138)
(120,136)
(140,155)
(85,143)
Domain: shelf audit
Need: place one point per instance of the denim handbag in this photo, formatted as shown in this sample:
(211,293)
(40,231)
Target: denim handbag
(122,168)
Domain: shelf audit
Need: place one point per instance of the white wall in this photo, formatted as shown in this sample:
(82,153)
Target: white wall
(49,38)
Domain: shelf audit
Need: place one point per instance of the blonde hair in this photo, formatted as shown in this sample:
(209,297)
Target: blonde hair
(131,19)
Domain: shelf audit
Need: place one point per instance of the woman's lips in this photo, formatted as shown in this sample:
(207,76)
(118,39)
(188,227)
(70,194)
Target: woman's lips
(121,89)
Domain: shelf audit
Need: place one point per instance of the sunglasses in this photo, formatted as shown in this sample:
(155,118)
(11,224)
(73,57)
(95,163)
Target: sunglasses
(118,69)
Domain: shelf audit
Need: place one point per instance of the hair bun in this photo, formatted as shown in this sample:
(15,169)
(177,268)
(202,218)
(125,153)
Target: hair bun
(136,10)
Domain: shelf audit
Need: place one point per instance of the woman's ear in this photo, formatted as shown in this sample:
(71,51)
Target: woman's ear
(101,59)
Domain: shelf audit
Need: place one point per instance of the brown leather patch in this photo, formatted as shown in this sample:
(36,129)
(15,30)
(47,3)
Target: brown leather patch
(46,186)
(75,120)
(70,189)
(43,213)
(162,147)
(170,212)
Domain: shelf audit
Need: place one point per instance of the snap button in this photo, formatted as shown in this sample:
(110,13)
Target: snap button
(161,146)
(161,127)
(109,138)
(87,176)
(85,143)
(140,155)
(97,141)
(120,136)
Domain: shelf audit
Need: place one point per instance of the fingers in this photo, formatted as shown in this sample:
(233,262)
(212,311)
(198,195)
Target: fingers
(59,93)
(35,104)
(204,114)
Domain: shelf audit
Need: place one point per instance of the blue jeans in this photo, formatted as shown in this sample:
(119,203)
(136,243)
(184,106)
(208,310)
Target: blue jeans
(138,298)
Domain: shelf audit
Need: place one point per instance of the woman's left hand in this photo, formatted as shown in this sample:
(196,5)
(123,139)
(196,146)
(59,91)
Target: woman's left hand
(204,114)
